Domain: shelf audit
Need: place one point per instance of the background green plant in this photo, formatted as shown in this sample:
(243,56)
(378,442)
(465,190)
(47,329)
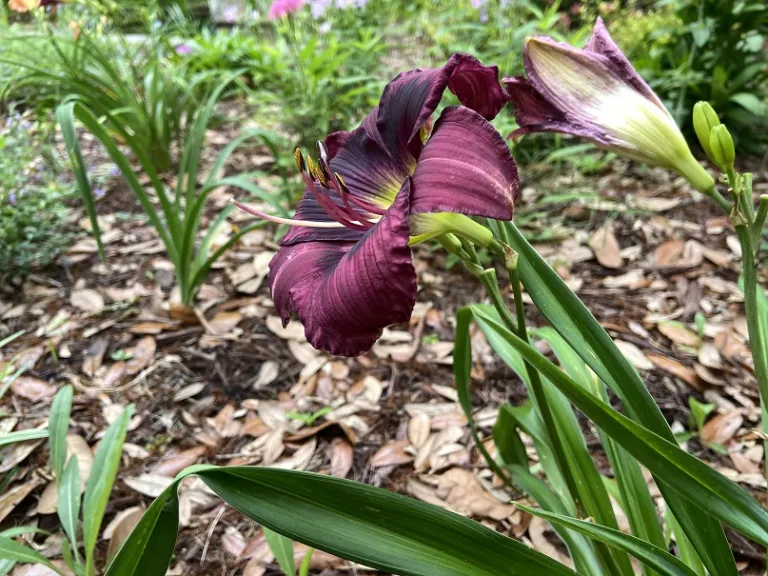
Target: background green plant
(33,197)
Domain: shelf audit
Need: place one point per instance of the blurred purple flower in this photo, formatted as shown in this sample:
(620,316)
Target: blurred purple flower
(12,198)
(114,171)
(318,8)
(345,268)
(483,15)
(231,14)
(477,4)
(255,14)
(183,49)
(280,8)
(98,192)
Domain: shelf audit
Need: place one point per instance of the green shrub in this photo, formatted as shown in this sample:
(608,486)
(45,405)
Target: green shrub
(33,215)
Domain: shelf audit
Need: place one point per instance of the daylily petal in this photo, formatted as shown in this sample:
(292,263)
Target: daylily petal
(368,170)
(345,294)
(596,94)
(465,167)
(601,43)
(410,99)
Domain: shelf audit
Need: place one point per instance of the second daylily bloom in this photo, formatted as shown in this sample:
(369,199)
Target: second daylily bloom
(345,268)
(596,94)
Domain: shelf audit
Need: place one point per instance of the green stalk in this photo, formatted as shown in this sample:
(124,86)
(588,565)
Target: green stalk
(757,227)
(518,327)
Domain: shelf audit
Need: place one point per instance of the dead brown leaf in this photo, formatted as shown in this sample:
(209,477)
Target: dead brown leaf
(224,322)
(722,427)
(341,458)
(87,300)
(679,333)
(418,429)
(462,493)
(142,355)
(121,528)
(635,356)
(606,247)
(94,356)
(32,389)
(174,464)
(668,253)
(11,498)
(392,454)
(678,370)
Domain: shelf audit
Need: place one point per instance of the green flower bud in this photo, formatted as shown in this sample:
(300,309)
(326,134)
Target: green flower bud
(721,145)
(704,119)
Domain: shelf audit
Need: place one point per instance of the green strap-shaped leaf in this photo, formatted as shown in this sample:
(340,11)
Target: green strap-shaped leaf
(372,526)
(68,506)
(10,550)
(282,548)
(23,436)
(635,495)
(99,486)
(657,558)
(59,425)
(693,479)
(568,315)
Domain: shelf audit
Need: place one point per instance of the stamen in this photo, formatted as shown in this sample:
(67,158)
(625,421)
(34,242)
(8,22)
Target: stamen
(299,157)
(368,206)
(289,221)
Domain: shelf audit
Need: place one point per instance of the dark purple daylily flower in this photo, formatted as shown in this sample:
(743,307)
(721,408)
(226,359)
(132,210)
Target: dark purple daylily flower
(596,94)
(346,268)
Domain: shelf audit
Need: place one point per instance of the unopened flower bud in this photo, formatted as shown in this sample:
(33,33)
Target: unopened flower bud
(721,145)
(704,119)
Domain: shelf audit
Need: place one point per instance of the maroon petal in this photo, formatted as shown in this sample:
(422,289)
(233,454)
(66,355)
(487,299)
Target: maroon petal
(369,172)
(465,167)
(534,113)
(346,294)
(601,43)
(410,99)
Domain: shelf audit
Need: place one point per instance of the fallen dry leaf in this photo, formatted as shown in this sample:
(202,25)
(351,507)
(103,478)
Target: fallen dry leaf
(392,454)
(418,429)
(11,498)
(635,356)
(224,322)
(342,457)
(462,493)
(87,300)
(744,464)
(677,369)
(32,389)
(267,374)
(94,356)
(113,375)
(722,427)
(151,485)
(537,533)
(709,356)
(233,542)
(606,248)
(668,253)
(121,527)
(142,355)
(174,464)
(679,334)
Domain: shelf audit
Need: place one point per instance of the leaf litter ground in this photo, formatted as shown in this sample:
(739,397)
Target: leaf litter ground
(226,384)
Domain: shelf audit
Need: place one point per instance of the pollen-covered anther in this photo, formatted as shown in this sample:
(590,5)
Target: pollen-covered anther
(299,156)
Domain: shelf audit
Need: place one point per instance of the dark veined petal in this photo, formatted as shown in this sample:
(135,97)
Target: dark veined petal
(601,43)
(534,113)
(465,167)
(369,172)
(345,294)
(409,100)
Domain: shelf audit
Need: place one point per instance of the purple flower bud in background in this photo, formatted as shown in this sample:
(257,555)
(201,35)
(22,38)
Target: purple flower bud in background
(318,8)
(230,14)
(12,198)
(99,192)
(477,4)
(483,15)
(183,49)
(114,171)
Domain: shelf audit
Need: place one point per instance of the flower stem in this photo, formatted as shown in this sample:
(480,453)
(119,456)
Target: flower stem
(719,199)
(757,227)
